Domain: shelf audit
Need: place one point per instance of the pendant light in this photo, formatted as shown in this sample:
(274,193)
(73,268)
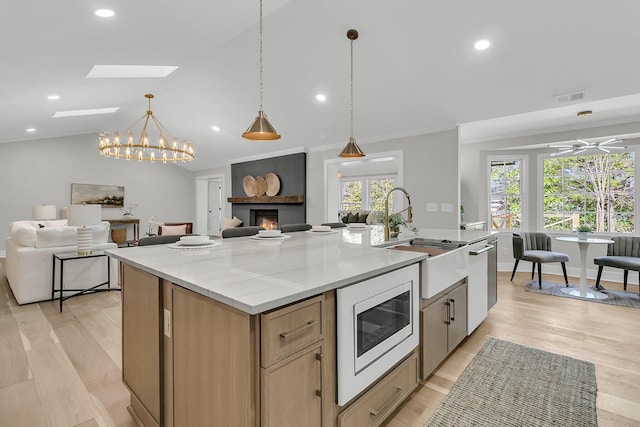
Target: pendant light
(261,129)
(351,149)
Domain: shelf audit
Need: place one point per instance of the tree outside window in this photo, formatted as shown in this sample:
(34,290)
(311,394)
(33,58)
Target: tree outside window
(596,190)
(366,193)
(506,194)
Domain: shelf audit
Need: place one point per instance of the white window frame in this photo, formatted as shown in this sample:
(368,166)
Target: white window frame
(540,196)
(364,179)
(524,193)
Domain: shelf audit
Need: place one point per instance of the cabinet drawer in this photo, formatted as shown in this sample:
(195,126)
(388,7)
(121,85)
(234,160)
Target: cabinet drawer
(289,329)
(374,406)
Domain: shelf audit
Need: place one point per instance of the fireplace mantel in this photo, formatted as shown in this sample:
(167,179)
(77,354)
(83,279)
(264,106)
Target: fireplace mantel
(267,199)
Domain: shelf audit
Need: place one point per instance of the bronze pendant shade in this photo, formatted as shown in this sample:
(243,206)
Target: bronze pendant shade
(261,129)
(351,149)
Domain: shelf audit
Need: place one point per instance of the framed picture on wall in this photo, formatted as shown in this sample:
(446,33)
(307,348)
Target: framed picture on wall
(107,196)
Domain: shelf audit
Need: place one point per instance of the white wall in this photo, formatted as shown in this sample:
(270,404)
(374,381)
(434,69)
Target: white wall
(42,171)
(430,176)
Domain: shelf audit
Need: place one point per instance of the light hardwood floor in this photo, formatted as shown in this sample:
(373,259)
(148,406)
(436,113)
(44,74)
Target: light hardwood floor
(64,369)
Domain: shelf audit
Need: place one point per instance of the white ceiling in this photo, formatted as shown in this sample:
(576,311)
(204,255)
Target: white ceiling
(415,68)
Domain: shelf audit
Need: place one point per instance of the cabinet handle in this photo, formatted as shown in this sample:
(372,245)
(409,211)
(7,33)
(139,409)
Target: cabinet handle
(387,404)
(453,303)
(319,356)
(318,393)
(287,335)
(448,318)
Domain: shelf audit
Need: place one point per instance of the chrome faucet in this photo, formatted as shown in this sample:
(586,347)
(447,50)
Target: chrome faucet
(386,211)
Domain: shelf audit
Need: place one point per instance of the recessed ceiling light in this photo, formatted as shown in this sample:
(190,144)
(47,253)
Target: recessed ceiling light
(320,97)
(53,97)
(482,44)
(215,128)
(127,71)
(104,13)
(31,130)
(89,112)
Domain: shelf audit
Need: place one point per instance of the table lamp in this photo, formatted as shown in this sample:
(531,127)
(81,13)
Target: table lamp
(42,212)
(84,217)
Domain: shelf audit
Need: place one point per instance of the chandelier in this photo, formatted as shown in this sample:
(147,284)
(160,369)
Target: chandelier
(261,129)
(139,148)
(351,149)
(581,146)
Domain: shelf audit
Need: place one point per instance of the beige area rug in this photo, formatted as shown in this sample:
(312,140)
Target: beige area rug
(509,385)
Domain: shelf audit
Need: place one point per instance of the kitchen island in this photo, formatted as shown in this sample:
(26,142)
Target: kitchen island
(198,324)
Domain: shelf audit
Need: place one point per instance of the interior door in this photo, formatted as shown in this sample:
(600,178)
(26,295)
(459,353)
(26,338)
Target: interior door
(214,216)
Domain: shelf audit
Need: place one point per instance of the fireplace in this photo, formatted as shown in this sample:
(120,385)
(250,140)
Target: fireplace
(267,218)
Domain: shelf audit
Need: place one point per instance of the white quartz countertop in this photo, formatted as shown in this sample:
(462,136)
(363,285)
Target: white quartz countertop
(256,276)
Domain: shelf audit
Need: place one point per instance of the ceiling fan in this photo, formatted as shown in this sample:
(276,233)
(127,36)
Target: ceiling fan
(581,146)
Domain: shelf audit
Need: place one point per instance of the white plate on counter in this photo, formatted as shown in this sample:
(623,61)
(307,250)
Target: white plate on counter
(194,240)
(357,226)
(280,237)
(179,245)
(321,232)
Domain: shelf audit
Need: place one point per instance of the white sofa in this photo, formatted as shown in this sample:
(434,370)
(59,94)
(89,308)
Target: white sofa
(29,259)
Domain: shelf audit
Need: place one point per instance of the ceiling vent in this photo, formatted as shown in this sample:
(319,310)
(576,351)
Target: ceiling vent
(570,97)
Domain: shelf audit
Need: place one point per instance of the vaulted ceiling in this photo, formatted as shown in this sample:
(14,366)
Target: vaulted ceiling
(415,68)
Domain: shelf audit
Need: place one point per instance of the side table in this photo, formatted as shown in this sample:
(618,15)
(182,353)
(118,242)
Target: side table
(70,256)
(583,291)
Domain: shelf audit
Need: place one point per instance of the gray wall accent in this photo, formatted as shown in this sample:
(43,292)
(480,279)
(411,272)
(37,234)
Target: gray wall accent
(41,172)
(292,171)
(430,176)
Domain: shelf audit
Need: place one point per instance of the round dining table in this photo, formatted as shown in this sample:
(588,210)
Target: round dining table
(583,290)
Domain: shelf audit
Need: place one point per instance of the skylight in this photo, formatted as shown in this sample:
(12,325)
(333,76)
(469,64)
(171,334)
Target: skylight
(89,112)
(130,71)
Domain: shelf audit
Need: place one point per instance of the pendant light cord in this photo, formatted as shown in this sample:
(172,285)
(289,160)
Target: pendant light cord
(260,55)
(351,107)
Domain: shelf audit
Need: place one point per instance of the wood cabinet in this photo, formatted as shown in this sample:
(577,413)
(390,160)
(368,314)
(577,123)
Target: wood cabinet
(141,352)
(214,375)
(375,405)
(292,390)
(189,360)
(298,364)
(443,326)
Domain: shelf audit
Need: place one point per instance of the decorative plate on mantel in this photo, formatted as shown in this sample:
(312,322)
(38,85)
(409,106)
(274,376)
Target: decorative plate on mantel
(249,185)
(273,184)
(261,186)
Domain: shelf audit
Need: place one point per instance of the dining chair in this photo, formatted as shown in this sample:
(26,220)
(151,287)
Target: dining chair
(536,247)
(623,253)
(288,228)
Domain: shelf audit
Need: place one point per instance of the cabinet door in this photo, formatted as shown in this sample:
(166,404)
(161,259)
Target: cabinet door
(292,390)
(213,360)
(457,299)
(141,332)
(433,319)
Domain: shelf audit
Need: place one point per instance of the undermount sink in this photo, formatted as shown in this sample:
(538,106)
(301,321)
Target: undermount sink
(447,263)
